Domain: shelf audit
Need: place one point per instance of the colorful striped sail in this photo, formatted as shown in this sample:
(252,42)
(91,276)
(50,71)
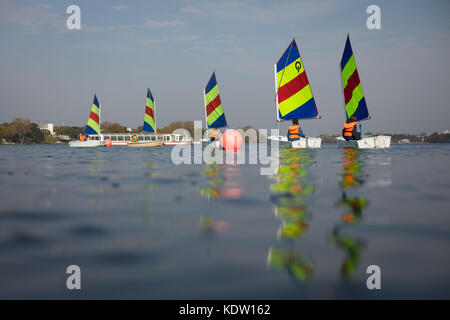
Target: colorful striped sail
(294,96)
(93,124)
(215,117)
(149,118)
(355,104)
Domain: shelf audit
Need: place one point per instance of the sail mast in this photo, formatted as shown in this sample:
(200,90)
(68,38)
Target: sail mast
(154,115)
(276,90)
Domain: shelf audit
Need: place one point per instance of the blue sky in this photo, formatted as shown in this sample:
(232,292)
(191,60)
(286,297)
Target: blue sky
(50,73)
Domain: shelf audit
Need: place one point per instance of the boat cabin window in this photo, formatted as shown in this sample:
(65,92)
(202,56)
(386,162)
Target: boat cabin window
(113,138)
(120,138)
(127,138)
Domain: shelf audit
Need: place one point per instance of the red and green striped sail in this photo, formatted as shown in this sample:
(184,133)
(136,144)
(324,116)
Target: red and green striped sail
(93,124)
(294,96)
(215,117)
(355,104)
(149,118)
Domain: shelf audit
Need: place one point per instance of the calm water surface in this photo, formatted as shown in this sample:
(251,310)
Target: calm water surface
(140,227)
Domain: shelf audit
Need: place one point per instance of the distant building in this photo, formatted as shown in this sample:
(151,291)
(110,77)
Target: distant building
(129,129)
(63,137)
(446,132)
(47,126)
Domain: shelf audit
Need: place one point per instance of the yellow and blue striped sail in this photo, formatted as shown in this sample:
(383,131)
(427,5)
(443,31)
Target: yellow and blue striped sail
(149,117)
(93,124)
(355,103)
(215,117)
(295,99)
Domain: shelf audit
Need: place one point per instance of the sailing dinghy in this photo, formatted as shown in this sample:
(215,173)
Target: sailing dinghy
(92,128)
(214,114)
(355,103)
(294,98)
(149,124)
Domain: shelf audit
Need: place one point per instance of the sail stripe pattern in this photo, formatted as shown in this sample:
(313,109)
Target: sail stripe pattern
(215,116)
(294,95)
(355,103)
(93,124)
(149,117)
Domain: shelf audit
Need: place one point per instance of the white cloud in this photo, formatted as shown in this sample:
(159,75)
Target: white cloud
(165,23)
(259,12)
(186,38)
(190,10)
(120,8)
(32,16)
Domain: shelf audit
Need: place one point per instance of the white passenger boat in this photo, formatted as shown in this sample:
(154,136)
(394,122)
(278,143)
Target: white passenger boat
(294,98)
(178,140)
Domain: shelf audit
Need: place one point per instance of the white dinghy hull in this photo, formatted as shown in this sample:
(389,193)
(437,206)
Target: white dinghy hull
(87,144)
(378,142)
(302,143)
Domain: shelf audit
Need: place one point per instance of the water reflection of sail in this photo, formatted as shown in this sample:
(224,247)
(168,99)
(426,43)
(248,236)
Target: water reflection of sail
(221,184)
(353,206)
(96,189)
(290,196)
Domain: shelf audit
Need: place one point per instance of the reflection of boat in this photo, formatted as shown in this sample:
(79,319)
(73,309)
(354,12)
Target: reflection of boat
(220,185)
(353,206)
(297,265)
(290,193)
(92,128)
(214,114)
(220,182)
(294,98)
(355,103)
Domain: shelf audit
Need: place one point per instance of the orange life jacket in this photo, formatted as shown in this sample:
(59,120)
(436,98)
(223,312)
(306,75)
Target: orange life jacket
(82,138)
(293,131)
(348,129)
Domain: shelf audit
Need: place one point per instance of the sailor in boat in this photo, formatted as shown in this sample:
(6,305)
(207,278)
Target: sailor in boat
(295,131)
(350,131)
(134,139)
(214,134)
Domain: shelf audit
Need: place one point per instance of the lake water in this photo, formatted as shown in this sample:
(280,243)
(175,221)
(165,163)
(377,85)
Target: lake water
(139,226)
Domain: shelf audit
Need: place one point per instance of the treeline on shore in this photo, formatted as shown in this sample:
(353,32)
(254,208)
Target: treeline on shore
(24,131)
